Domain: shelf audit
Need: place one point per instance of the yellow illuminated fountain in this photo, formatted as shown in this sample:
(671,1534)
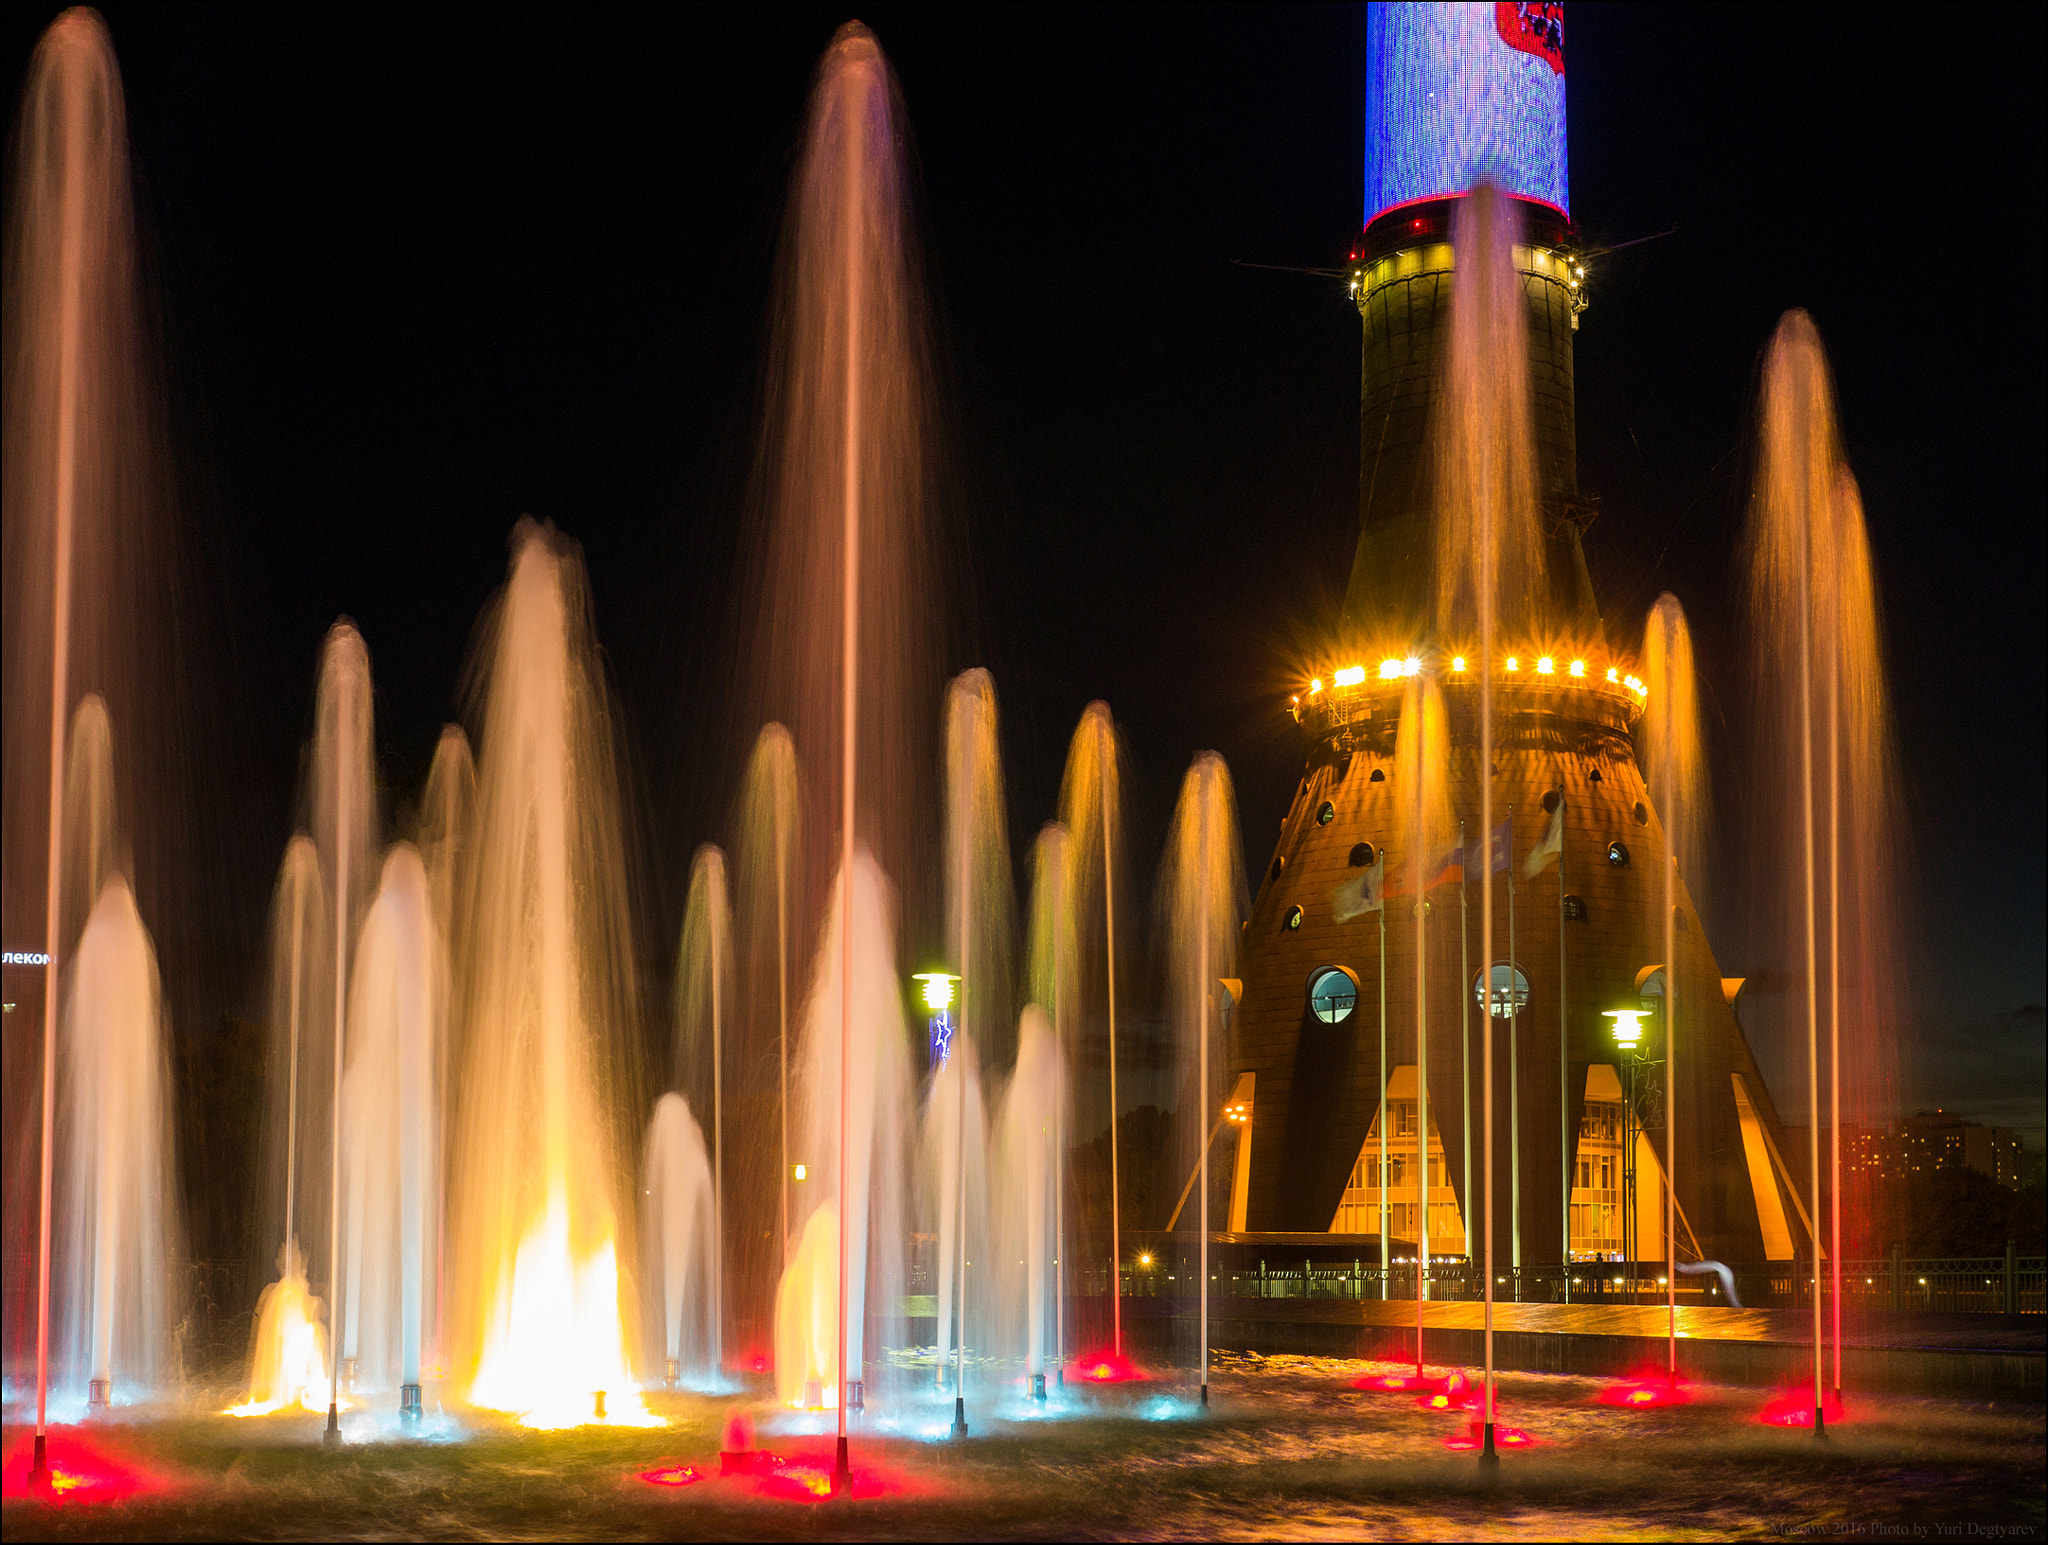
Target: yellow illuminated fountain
(536,1216)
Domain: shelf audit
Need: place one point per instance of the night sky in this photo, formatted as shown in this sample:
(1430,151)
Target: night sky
(417,275)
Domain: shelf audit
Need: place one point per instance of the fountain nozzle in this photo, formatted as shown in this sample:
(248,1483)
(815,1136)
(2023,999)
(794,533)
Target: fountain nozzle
(675,1370)
(598,1397)
(332,1435)
(856,1395)
(99,1394)
(409,1405)
(39,1467)
(959,1416)
(1038,1388)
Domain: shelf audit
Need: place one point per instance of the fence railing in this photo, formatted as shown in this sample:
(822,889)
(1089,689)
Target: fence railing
(2008,1284)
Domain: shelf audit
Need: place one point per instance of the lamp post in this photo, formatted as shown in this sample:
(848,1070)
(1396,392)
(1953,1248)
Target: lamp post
(938,1002)
(1628,1039)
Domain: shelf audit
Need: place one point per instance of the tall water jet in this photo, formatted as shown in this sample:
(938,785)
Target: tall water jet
(1089,808)
(82,566)
(1488,557)
(391,1125)
(540,1324)
(876,1101)
(1821,679)
(345,830)
(679,1244)
(1202,896)
(1674,769)
(704,987)
(1422,768)
(115,1192)
(846,565)
(288,1329)
(1054,983)
(1024,1199)
(770,839)
(978,927)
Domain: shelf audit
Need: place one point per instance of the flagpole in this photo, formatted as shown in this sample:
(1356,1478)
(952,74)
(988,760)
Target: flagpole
(1564,1076)
(1385,1264)
(1465,1037)
(1514,1077)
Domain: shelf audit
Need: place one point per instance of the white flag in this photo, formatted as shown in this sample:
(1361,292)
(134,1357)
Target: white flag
(1361,894)
(1551,846)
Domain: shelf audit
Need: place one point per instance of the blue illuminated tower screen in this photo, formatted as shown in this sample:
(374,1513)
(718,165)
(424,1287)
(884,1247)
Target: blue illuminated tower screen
(1457,92)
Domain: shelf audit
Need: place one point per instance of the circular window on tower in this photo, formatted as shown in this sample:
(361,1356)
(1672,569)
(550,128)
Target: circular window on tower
(1510,990)
(1362,856)
(1333,994)
(1292,920)
(1617,854)
(1326,814)
(1642,814)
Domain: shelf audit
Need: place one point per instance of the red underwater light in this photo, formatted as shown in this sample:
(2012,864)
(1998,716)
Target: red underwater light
(673,1475)
(1645,1393)
(1474,1437)
(77,1474)
(1108,1368)
(1794,1408)
(1398,1383)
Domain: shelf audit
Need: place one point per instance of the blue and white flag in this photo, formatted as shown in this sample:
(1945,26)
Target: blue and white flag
(1364,892)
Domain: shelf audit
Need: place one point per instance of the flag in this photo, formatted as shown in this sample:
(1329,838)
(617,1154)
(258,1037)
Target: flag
(1550,847)
(1446,866)
(1474,857)
(1362,893)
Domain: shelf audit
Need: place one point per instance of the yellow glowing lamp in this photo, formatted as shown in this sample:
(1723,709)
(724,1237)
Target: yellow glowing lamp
(1628,1027)
(1350,676)
(1614,675)
(1546,666)
(799,1172)
(1513,663)
(1315,686)
(1390,670)
(1412,666)
(1635,685)
(938,990)
(1457,662)
(1145,1259)
(1578,667)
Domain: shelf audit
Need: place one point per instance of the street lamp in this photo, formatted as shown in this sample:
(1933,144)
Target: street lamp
(938,1003)
(1628,1038)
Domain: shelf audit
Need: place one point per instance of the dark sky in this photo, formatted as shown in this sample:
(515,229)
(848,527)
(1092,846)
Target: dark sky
(420,273)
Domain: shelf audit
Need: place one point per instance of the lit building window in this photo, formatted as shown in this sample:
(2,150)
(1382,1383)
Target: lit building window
(1510,990)
(1617,854)
(1293,919)
(1326,813)
(1333,996)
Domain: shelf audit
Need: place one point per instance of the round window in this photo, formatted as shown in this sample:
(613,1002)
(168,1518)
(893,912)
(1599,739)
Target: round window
(1333,995)
(1550,802)
(1642,814)
(1510,990)
(1293,919)
(1617,854)
(1326,814)
(1362,856)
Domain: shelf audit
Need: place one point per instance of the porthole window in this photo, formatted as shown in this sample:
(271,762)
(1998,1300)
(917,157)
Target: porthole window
(1642,814)
(1279,863)
(1326,814)
(1344,766)
(1650,991)
(1333,995)
(1378,776)
(1575,909)
(1617,854)
(1593,776)
(1293,919)
(1362,856)
(1510,990)
(1550,802)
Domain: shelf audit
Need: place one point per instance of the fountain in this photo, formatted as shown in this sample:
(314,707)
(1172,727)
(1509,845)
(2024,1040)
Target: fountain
(1202,896)
(1024,1185)
(770,838)
(1089,809)
(679,1245)
(116,1228)
(1422,769)
(1053,953)
(545,987)
(1488,556)
(878,1112)
(392,1104)
(704,983)
(1674,769)
(1828,741)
